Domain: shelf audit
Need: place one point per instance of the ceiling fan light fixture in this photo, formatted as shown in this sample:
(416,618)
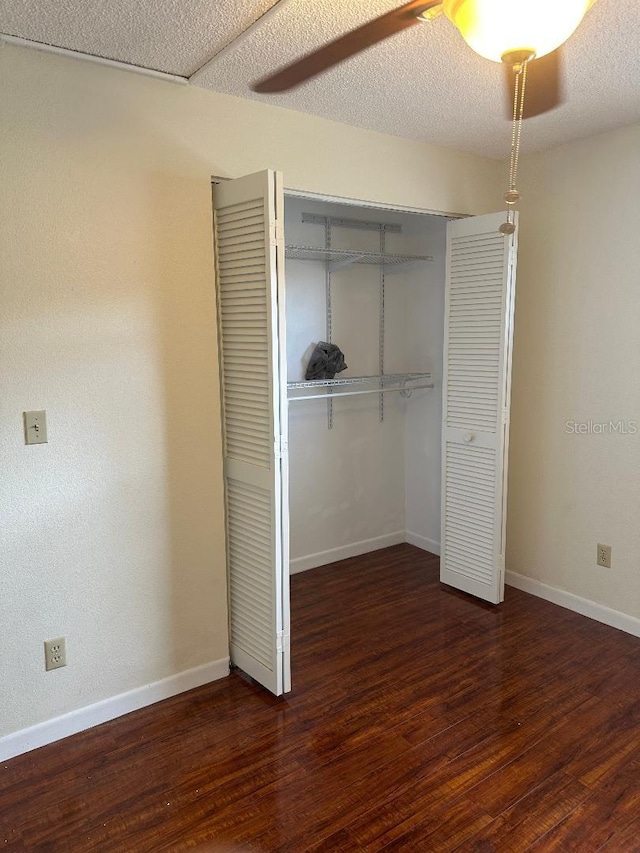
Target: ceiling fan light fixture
(499,28)
(430,12)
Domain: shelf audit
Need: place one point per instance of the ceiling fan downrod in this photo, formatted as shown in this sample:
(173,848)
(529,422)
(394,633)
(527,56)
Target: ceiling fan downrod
(519,61)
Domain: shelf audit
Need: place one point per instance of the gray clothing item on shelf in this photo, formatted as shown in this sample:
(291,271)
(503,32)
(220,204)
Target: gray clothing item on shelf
(326,360)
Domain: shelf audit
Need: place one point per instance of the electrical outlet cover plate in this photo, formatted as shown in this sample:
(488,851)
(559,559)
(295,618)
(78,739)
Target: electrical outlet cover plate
(603,557)
(55,653)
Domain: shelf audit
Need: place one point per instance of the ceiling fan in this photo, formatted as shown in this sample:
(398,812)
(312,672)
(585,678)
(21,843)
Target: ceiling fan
(516,32)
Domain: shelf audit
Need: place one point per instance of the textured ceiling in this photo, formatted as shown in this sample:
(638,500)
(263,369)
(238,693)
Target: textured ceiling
(424,83)
(176,36)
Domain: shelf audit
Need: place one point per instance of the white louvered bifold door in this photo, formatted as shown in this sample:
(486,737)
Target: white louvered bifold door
(480,296)
(249,245)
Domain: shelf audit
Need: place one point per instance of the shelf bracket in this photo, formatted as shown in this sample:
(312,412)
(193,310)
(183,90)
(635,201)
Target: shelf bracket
(328,308)
(334,266)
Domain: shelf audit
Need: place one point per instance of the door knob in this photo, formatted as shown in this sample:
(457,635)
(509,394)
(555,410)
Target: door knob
(468,436)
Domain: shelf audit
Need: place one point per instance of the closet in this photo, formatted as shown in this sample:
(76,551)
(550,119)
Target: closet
(364,448)
(409,443)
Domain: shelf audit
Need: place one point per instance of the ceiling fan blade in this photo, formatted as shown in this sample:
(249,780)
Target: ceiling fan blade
(345,46)
(544,89)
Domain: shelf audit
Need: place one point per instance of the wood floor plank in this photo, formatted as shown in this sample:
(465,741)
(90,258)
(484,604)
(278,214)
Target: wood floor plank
(531,817)
(609,809)
(623,840)
(420,720)
(442,831)
(560,747)
(439,783)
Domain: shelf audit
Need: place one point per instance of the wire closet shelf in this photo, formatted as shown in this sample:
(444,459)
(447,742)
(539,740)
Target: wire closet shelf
(351,386)
(339,258)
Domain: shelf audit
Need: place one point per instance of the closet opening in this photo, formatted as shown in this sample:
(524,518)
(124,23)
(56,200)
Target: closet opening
(365,445)
(408,443)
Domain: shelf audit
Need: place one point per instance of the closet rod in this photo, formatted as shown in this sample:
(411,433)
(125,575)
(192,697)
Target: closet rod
(334,395)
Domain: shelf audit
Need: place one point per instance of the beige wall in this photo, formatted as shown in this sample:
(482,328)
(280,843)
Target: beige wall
(112,533)
(577,359)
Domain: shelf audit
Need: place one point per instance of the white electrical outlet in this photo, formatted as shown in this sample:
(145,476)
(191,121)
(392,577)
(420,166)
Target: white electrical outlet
(604,556)
(55,653)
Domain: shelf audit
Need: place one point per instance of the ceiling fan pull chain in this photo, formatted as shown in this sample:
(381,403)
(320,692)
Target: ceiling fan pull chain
(523,75)
(514,124)
(512,195)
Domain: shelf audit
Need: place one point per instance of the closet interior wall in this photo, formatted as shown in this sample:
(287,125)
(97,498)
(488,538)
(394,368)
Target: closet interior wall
(365,484)
(423,420)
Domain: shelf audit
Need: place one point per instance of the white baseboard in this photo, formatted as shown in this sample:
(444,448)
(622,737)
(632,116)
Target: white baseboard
(422,542)
(312,561)
(108,709)
(584,606)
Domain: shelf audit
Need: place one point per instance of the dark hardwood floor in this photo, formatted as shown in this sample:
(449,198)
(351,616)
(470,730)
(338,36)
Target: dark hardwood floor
(420,720)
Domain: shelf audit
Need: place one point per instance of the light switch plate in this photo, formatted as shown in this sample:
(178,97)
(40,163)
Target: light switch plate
(35,427)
